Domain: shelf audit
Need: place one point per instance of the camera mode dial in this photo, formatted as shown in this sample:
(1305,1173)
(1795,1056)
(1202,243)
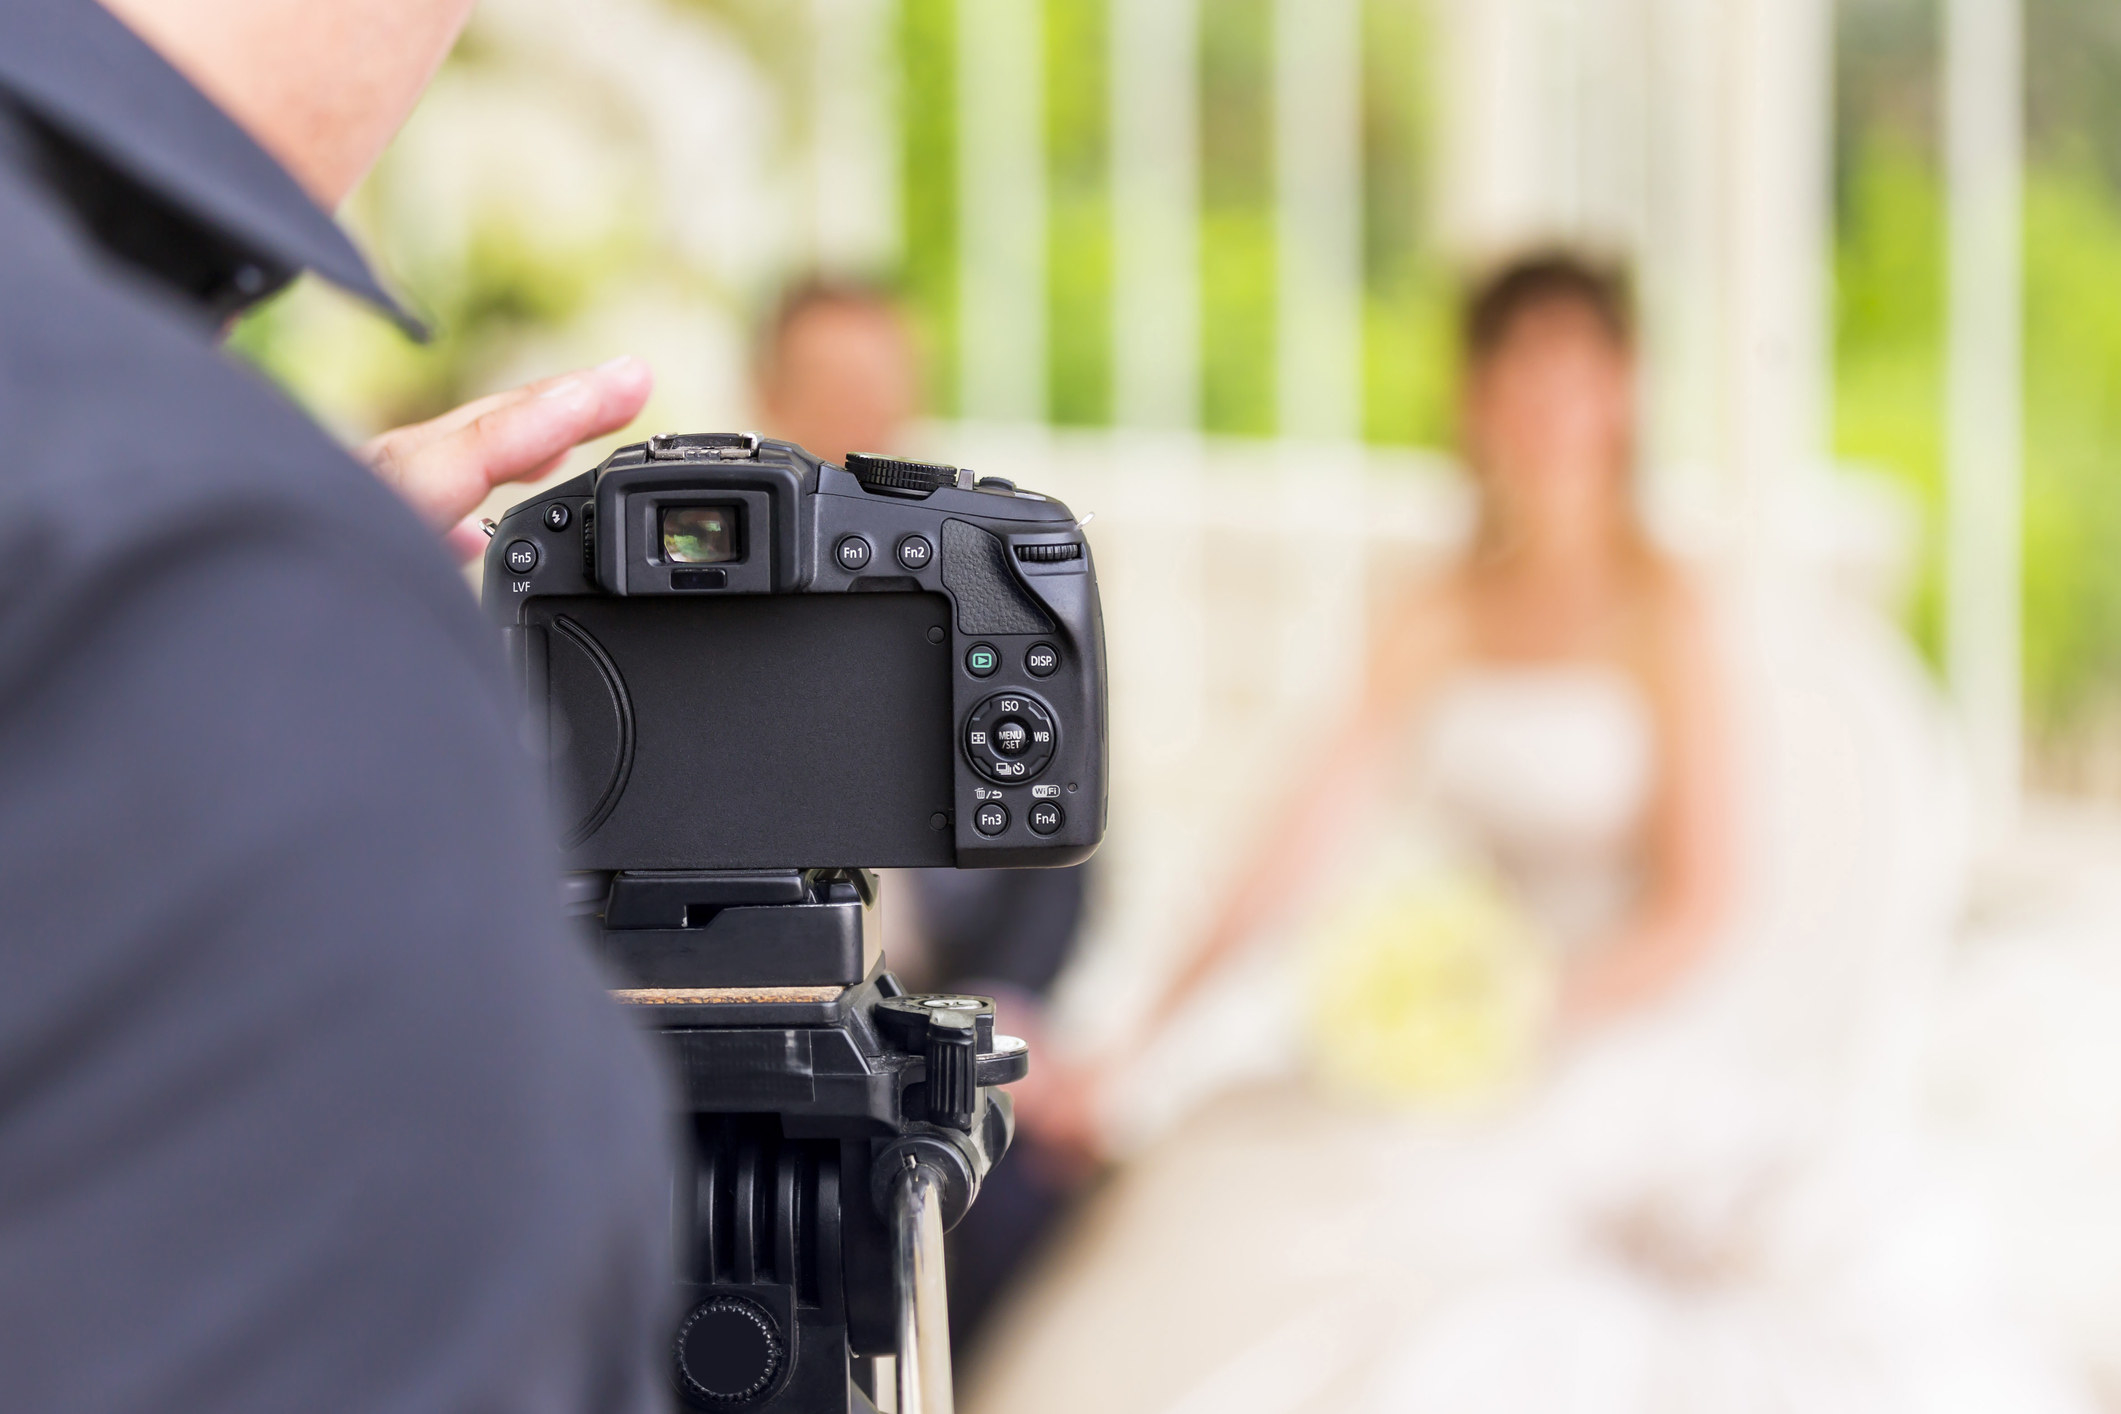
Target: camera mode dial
(1010,737)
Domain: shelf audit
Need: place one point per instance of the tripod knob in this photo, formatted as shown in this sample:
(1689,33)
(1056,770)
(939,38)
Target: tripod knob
(953,1069)
(728,1351)
(949,1033)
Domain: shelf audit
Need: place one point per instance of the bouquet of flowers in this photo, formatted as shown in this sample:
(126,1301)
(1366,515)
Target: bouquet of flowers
(1428,987)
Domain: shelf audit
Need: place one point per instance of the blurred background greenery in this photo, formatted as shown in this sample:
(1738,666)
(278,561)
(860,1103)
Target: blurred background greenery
(527,211)
(1889,339)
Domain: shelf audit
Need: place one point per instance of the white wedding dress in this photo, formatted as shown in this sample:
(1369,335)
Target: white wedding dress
(1712,1208)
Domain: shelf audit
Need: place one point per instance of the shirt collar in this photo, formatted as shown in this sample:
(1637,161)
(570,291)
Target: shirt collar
(94,91)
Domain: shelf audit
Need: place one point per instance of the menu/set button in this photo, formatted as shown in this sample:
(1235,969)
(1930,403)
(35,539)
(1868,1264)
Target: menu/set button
(991,818)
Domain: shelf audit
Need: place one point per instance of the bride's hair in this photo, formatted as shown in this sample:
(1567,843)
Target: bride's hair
(1494,302)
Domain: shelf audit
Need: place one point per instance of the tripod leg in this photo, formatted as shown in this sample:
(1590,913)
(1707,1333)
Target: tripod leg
(923,1305)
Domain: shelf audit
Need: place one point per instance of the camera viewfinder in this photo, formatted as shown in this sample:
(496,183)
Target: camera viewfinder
(699,535)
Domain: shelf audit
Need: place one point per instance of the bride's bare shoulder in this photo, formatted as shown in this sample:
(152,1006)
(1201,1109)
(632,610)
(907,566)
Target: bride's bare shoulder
(1679,635)
(1424,625)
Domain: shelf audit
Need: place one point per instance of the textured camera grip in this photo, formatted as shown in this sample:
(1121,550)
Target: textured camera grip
(989,600)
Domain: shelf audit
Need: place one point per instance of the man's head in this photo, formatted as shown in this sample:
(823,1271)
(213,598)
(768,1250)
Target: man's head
(837,371)
(321,84)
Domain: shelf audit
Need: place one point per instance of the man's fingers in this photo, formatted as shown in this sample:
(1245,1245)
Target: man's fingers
(422,434)
(522,436)
(445,466)
(466,540)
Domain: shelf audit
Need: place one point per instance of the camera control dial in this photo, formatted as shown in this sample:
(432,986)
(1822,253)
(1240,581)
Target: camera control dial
(1010,737)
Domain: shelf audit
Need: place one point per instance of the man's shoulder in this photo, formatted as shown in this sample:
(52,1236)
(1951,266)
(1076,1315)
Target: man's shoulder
(127,439)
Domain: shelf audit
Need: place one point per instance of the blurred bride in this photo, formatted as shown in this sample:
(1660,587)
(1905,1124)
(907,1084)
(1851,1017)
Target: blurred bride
(1580,1137)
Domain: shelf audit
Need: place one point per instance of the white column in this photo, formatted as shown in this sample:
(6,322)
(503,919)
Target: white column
(1984,144)
(1317,101)
(1001,196)
(1681,275)
(1318,217)
(854,168)
(1488,71)
(1777,65)
(1154,67)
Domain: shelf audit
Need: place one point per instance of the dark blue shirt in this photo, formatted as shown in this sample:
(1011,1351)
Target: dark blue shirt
(306,1101)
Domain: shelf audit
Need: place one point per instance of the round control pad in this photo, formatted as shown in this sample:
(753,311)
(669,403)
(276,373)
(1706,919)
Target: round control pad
(1010,737)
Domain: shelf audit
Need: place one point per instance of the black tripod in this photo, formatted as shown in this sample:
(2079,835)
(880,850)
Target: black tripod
(839,1125)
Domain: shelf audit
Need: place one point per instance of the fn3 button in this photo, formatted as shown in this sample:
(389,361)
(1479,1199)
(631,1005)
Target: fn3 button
(991,818)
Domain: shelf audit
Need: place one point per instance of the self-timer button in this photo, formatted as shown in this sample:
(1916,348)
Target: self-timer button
(1010,737)
(991,818)
(522,556)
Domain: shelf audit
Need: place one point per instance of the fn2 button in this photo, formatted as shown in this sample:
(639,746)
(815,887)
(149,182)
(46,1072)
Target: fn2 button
(991,818)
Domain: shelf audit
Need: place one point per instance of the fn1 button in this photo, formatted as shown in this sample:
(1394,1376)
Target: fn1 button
(522,557)
(991,818)
(853,552)
(1045,818)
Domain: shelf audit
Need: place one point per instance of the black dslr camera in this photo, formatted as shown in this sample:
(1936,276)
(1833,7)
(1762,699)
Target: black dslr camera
(755,676)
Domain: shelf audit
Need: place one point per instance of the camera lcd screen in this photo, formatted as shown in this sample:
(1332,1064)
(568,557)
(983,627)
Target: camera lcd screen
(699,535)
(751,731)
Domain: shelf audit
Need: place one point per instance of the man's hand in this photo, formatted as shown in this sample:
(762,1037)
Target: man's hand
(445,467)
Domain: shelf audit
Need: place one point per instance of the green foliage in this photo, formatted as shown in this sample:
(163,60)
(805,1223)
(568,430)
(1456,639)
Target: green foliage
(1237,279)
(1079,269)
(1408,366)
(1889,400)
(928,123)
(1888,343)
(2073,426)
(1410,348)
